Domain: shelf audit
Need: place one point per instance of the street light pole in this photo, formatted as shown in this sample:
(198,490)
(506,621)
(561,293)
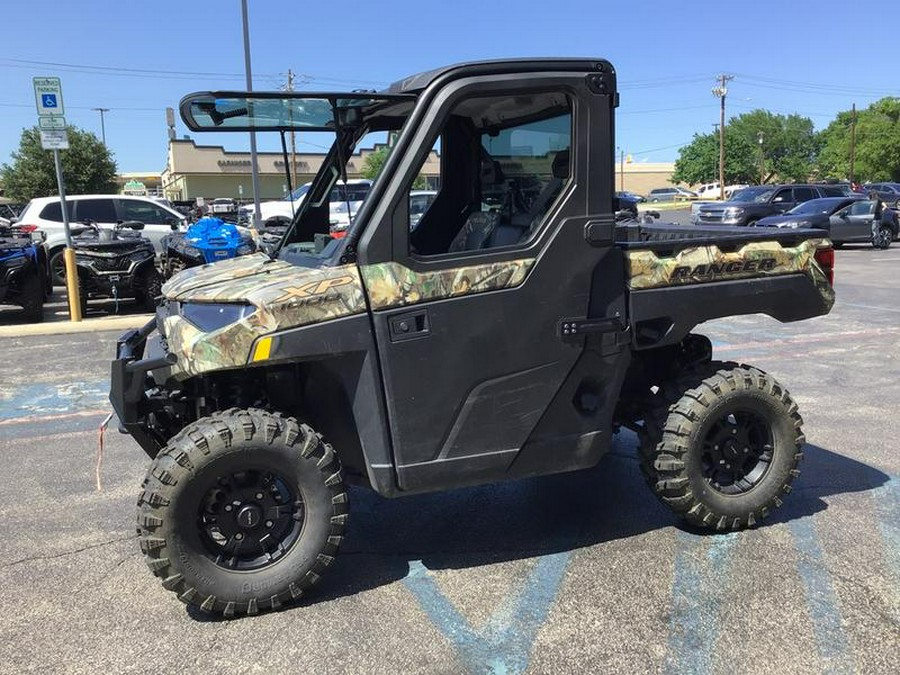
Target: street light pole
(254,169)
(102,125)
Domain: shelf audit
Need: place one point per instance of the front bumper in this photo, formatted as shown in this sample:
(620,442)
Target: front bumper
(130,380)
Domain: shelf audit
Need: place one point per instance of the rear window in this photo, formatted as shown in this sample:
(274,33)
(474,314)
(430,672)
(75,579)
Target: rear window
(96,210)
(53,212)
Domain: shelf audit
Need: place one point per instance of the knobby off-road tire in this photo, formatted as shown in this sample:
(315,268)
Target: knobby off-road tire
(150,285)
(722,446)
(32,298)
(242,511)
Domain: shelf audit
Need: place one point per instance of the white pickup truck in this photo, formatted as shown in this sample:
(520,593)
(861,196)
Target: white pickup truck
(353,192)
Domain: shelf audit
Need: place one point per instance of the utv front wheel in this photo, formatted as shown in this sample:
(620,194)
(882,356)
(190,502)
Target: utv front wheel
(724,446)
(243,511)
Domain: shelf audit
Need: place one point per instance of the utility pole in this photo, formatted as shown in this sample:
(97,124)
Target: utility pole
(290,87)
(254,168)
(102,125)
(721,91)
(853,145)
(760,136)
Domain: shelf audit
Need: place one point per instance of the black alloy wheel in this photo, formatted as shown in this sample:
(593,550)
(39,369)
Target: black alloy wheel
(737,451)
(250,519)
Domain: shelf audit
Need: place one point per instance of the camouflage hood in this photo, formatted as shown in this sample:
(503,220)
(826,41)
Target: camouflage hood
(277,295)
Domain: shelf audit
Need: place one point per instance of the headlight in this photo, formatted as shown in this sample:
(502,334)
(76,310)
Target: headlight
(137,256)
(245,249)
(210,316)
(188,250)
(734,212)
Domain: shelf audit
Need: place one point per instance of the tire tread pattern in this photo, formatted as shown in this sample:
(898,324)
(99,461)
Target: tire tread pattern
(679,406)
(213,434)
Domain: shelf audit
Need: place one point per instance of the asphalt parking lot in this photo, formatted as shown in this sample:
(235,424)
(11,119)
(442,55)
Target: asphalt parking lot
(583,572)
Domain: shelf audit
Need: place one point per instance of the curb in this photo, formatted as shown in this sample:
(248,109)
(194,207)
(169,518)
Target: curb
(84,326)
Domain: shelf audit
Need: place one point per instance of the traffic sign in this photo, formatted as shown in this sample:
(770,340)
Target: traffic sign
(52,122)
(48,96)
(54,139)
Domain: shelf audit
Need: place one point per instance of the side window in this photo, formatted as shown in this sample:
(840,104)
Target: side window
(53,211)
(804,194)
(500,175)
(862,208)
(145,212)
(97,210)
(783,196)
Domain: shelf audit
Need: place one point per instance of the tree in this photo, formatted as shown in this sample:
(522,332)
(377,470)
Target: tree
(698,162)
(374,161)
(790,144)
(88,167)
(877,143)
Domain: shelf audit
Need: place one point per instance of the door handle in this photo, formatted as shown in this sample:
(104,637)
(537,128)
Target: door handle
(409,325)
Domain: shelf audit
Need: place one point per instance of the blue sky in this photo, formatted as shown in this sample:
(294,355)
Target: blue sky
(813,58)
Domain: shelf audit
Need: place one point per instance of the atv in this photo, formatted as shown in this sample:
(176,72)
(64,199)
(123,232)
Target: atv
(23,272)
(116,263)
(206,241)
(509,334)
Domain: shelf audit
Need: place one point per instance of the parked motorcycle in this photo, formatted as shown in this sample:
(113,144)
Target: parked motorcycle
(116,263)
(206,241)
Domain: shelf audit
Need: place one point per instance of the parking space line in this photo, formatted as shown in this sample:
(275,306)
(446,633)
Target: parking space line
(504,643)
(879,309)
(824,611)
(701,565)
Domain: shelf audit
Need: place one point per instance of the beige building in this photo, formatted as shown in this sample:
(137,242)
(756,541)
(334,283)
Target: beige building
(641,177)
(211,171)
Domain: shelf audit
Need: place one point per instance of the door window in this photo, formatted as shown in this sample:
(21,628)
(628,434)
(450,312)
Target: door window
(783,196)
(96,210)
(504,162)
(803,194)
(145,212)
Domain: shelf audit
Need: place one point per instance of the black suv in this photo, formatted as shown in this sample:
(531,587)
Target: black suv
(750,204)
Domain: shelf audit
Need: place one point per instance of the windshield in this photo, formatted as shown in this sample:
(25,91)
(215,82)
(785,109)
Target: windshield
(814,206)
(757,195)
(240,111)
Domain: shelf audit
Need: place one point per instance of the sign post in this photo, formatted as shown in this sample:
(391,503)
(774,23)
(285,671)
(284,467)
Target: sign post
(49,102)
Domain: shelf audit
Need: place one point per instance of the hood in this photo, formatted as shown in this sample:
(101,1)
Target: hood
(280,296)
(798,221)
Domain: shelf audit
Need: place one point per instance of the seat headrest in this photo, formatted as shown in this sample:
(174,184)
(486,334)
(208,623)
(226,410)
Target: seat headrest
(560,167)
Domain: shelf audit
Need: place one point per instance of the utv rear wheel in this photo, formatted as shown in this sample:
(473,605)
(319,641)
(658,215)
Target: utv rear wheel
(243,511)
(723,447)
(32,298)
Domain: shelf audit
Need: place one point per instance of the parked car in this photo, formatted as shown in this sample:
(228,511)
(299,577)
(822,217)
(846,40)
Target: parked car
(889,193)
(633,196)
(671,194)
(222,205)
(45,215)
(748,205)
(419,201)
(846,220)
(283,210)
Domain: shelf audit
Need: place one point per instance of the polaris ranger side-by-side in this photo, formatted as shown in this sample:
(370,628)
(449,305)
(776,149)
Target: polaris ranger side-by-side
(509,333)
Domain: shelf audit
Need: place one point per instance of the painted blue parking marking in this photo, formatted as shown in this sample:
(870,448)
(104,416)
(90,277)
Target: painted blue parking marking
(29,400)
(504,645)
(824,610)
(701,567)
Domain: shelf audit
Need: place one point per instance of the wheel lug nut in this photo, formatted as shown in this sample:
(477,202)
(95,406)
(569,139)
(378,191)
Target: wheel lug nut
(269,523)
(228,507)
(734,432)
(239,536)
(259,495)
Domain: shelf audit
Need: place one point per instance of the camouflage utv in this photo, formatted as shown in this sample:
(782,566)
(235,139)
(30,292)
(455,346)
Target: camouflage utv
(507,332)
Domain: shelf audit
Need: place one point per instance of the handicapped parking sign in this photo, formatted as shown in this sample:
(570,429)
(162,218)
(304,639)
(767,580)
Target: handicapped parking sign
(48,96)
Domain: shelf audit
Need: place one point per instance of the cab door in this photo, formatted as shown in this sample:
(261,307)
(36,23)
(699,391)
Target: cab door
(472,308)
